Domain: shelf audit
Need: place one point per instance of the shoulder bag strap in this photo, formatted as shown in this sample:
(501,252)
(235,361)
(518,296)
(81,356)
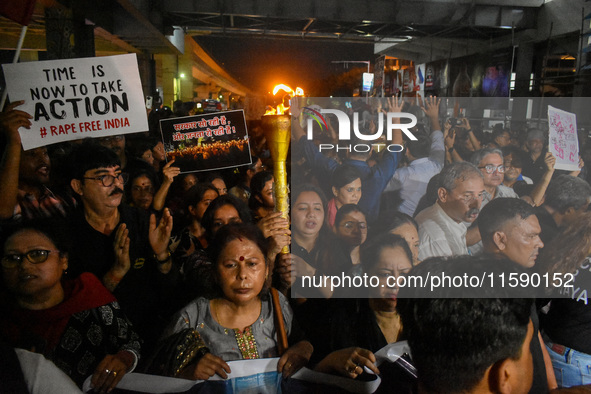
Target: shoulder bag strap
(279,323)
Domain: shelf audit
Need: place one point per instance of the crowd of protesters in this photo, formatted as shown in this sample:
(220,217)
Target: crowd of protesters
(111,258)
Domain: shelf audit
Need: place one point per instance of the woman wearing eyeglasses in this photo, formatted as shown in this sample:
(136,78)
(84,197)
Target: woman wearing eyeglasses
(75,323)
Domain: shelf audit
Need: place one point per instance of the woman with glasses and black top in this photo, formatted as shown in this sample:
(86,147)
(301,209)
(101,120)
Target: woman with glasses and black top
(76,323)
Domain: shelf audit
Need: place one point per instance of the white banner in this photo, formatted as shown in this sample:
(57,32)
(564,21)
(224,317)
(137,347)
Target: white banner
(71,99)
(563,140)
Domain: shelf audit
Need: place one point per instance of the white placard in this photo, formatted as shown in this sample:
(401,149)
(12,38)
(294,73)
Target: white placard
(71,99)
(563,140)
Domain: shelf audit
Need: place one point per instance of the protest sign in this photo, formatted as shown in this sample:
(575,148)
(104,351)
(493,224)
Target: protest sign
(247,376)
(206,142)
(77,98)
(261,376)
(563,140)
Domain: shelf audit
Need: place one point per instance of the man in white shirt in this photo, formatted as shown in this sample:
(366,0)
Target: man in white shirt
(441,228)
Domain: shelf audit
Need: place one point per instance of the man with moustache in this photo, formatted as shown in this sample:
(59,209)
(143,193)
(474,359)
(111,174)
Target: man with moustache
(121,245)
(24,175)
(441,226)
(510,228)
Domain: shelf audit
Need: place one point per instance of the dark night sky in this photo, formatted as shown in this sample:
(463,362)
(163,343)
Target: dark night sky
(260,63)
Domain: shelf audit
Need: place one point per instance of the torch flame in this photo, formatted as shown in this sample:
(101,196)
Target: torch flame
(281,87)
(283,107)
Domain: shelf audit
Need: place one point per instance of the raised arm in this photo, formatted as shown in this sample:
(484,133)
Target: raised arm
(473,139)
(437,151)
(10,121)
(169,174)
(537,195)
(396,104)
(431,109)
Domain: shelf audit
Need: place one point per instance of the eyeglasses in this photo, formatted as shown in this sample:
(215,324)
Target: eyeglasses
(352,225)
(108,180)
(35,256)
(489,168)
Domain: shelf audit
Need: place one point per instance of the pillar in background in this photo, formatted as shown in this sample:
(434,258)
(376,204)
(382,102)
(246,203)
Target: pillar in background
(67,34)
(523,70)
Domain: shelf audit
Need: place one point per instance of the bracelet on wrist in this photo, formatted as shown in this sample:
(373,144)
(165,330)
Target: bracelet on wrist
(162,261)
(450,150)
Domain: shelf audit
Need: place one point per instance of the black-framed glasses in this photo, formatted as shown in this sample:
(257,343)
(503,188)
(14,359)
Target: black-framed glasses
(108,179)
(352,225)
(35,256)
(489,168)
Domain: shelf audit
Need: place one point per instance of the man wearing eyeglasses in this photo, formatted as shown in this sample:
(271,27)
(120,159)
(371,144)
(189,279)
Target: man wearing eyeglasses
(490,163)
(121,245)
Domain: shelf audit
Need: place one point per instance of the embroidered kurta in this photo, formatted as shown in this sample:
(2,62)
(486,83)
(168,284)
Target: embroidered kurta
(259,340)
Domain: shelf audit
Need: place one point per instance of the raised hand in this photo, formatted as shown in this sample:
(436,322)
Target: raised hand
(12,119)
(549,161)
(121,247)
(159,234)
(431,107)
(170,172)
(395,104)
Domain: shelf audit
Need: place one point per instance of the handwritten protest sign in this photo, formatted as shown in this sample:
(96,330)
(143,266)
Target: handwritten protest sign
(563,143)
(77,98)
(206,142)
